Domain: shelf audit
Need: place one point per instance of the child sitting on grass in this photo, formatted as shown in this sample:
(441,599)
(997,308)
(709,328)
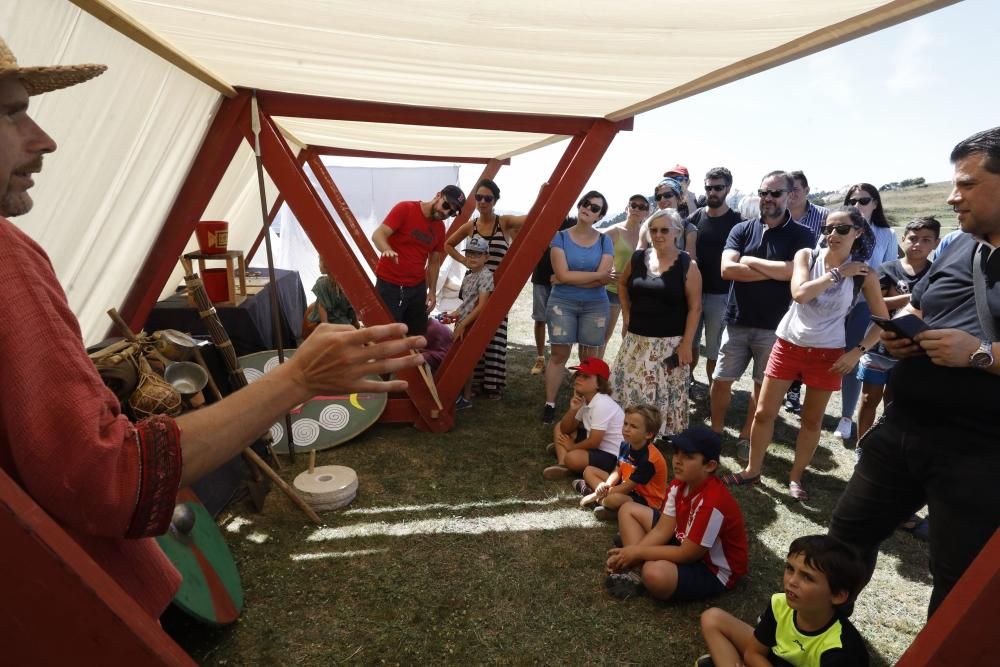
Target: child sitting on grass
(331,304)
(601,418)
(693,548)
(641,474)
(803,626)
(476,288)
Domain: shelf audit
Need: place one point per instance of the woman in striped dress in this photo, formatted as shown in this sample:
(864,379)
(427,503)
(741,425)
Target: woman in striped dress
(490,376)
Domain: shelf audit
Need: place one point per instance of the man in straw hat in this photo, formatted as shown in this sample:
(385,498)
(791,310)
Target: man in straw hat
(110,483)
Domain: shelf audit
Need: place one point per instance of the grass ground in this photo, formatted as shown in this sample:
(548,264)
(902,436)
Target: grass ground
(457,552)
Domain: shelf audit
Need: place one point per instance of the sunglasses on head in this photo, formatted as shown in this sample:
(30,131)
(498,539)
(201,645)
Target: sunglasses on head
(659,230)
(714,188)
(665,195)
(843,230)
(635,206)
(486,198)
(773,193)
(594,208)
(862,201)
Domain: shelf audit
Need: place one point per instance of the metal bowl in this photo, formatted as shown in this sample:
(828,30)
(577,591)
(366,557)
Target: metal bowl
(186,377)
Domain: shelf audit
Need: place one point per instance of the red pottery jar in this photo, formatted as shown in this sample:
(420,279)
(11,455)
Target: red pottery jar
(213,236)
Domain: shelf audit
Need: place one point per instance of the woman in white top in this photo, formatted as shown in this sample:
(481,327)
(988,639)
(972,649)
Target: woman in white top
(811,340)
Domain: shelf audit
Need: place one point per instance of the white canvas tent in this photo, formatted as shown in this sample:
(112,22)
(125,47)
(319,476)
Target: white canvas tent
(129,137)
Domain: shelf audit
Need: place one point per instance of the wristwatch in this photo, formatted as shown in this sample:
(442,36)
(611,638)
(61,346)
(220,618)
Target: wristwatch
(983,357)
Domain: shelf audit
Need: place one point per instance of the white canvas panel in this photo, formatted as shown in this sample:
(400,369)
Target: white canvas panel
(126,140)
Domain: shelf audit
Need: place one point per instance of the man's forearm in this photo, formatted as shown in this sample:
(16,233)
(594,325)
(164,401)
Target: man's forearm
(215,434)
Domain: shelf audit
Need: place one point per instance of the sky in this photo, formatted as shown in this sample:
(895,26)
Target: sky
(884,107)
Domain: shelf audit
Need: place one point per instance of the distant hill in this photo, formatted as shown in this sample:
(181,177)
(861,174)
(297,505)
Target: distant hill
(903,204)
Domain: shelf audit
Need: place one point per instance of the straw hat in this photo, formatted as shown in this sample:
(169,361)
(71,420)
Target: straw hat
(38,80)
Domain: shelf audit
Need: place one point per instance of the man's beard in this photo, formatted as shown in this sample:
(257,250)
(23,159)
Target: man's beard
(13,204)
(714,202)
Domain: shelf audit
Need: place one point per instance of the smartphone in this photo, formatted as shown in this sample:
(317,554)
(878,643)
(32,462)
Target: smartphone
(906,326)
(673,361)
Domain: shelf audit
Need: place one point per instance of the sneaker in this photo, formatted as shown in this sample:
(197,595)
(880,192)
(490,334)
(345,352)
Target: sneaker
(844,429)
(792,402)
(539,366)
(602,513)
(797,491)
(462,403)
(704,661)
(743,450)
(556,472)
(581,487)
(623,585)
(549,414)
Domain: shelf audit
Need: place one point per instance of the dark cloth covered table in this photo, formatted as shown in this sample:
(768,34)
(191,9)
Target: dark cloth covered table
(248,324)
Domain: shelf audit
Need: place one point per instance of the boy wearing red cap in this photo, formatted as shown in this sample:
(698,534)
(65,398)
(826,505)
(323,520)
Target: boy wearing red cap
(601,418)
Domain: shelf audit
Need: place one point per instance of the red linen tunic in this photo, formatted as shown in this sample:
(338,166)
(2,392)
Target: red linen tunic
(109,483)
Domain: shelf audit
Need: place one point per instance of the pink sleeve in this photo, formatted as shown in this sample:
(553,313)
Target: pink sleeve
(64,438)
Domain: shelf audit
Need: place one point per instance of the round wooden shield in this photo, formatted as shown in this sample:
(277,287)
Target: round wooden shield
(211,591)
(323,421)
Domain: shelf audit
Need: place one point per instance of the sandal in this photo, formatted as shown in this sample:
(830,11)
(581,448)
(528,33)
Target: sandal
(736,479)
(797,491)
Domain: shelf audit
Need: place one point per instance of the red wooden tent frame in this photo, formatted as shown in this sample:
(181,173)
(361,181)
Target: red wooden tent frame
(590,139)
(958,634)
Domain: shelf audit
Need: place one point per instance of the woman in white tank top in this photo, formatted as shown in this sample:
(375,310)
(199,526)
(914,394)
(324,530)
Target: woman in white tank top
(810,342)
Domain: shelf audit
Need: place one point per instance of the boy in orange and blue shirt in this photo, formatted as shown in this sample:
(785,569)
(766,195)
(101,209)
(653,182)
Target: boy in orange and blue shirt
(641,473)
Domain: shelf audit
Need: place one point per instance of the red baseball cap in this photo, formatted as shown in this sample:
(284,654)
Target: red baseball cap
(677,169)
(593,366)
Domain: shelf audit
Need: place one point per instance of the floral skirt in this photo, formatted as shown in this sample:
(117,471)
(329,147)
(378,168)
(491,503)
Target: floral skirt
(640,375)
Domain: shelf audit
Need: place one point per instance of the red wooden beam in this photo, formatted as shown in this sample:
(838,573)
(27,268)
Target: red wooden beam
(322,230)
(489,171)
(217,150)
(352,152)
(59,606)
(962,630)
(272,214)
(332,192)
(295,105)
(568,179)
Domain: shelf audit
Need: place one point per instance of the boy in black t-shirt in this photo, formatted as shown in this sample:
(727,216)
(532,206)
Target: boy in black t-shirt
(804,625)
(898,277)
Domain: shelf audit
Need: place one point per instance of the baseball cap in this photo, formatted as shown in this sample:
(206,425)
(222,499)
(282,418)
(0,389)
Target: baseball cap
(477,244)
(454,194)
(698,440)
(593,366)
(677,169)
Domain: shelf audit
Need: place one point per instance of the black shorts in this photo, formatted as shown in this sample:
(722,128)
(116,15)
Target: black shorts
(694,580)
(601,459)
(406,304)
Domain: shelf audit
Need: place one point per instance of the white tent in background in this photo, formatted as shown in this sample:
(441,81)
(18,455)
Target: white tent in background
(129,138)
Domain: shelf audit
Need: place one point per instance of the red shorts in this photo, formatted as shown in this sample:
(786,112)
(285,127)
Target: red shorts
(809,364)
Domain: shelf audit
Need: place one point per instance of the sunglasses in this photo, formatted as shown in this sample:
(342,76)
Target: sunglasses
(773,193)
(638,207)
(486,198)
(863,201)
(450,208)
(665,195)
(843,230)
(714,188)
(594,208)
(659,230)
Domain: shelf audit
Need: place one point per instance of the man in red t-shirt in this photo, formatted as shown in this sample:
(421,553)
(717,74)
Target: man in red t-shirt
(411,241)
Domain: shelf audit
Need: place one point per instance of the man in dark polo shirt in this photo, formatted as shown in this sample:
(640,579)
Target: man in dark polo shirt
(939,441)
(758,259)
(714,223)
(411,242)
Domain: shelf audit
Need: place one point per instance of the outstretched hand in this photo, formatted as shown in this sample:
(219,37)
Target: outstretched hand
(337,358)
